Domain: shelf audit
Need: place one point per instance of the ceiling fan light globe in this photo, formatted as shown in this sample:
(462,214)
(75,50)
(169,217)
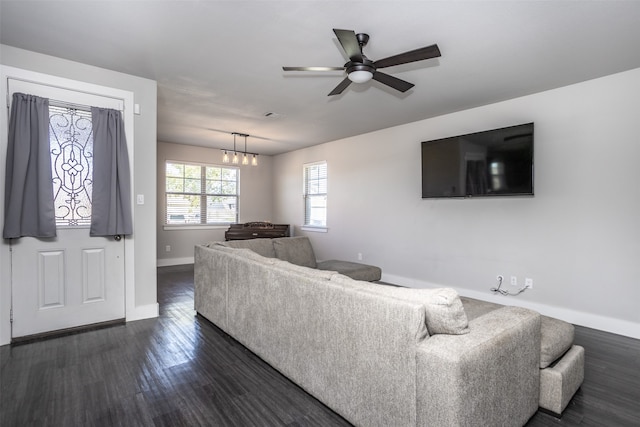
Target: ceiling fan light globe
(360,76)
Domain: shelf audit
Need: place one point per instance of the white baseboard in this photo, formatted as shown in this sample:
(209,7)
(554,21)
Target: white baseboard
(141,312)
(594,321)
(167,262)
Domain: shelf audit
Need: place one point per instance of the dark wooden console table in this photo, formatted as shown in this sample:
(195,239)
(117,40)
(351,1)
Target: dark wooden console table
(256,230)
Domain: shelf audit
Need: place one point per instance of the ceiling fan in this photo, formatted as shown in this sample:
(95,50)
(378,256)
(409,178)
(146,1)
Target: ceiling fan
(361,69)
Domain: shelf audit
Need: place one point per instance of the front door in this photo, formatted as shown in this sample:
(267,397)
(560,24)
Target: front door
(73,279)
(69,281)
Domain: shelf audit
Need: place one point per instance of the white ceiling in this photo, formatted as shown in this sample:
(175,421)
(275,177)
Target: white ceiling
(218,63)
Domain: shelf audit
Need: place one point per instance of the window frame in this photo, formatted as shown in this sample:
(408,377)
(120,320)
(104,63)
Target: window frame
(203,194)
(306,225)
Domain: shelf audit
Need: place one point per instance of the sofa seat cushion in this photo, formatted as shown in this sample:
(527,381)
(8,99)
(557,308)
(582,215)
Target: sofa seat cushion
(556,337)
(476,308)
(356,271)
(296,250)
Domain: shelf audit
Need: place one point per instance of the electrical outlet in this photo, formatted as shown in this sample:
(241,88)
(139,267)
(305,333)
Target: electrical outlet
(528,283)
(359,256)
(500,278)
(514,281)
(167,248)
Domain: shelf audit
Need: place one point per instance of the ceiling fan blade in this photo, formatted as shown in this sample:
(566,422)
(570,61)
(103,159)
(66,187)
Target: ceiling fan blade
(341,87)
(393,82)
(313,68)
(350,44)
(421,54)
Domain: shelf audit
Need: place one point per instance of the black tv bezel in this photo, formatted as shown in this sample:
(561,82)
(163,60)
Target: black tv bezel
(487,195)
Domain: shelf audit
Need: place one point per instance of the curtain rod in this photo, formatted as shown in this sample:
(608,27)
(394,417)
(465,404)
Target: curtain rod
(70,105)
(78,107)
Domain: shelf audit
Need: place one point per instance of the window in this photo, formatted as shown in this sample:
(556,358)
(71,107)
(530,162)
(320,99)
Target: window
(71,148)
(201,194)
(315,194)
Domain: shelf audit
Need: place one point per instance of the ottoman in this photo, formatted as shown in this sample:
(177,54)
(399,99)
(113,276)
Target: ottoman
(561,365)
(561,362)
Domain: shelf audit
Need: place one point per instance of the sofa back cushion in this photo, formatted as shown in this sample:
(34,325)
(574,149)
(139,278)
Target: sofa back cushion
(263,247)
(444,311)
(556,338)
(296,250)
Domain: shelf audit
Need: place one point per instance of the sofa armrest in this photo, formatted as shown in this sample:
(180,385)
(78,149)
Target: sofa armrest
(296,250)
(489,376)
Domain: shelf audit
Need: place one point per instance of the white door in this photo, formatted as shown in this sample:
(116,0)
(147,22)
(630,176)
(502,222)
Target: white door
(71,280)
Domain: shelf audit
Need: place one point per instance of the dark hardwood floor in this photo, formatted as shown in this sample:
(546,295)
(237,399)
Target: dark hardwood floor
(180,370)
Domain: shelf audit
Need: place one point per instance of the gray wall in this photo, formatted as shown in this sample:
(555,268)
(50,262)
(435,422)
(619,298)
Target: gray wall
(255,201)
(578,238)
(144,167)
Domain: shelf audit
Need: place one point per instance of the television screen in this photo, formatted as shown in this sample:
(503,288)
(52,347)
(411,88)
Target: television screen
(496,162)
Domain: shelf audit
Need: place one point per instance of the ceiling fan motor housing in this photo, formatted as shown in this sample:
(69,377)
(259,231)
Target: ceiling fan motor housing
(365,65)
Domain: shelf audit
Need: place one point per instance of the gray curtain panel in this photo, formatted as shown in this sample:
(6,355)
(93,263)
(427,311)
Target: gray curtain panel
(111,199)
(28,197)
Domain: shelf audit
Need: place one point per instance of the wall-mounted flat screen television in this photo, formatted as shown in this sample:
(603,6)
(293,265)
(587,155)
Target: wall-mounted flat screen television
(496,162)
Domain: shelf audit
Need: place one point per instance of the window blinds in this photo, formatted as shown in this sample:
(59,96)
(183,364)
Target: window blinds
(315,194)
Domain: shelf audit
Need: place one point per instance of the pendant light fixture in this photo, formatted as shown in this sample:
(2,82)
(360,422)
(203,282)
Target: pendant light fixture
(235,159)
(245,159)
(235,153)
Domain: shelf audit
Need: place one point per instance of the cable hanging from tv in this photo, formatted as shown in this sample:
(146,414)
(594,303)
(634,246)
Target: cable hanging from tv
(504,292)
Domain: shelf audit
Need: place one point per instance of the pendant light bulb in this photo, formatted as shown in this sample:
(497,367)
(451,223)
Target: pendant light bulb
(254,160)
(245,159)
(360,76)
(235,154)
(225,157)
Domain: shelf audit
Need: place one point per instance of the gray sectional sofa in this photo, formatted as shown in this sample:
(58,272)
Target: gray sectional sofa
(378,355)
(298,251)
